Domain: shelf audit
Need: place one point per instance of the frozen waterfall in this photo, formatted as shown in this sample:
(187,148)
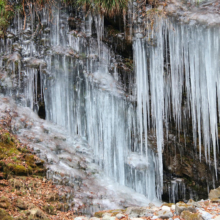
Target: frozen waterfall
(76,75)
(83,96)
(182,61)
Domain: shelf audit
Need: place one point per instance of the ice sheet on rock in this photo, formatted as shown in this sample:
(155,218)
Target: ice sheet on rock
(176,67)
(137,161)
(65,51)
(91,186)
(106,82)
(83,93)
(86,98)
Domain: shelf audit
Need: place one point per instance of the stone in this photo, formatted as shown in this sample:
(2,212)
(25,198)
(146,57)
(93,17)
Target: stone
(21,204)
(119,216)
(4,202)
(190,201)
(205,215)
(136,219)
(196,204)
(165,208)
(36,213)
(94,218)
(173,207)
(215,200)
(186,215)
(135,212)
(108,217)
(214,193)
(181,206)
(164,214)
(81,218)
(151,205)
(53,197)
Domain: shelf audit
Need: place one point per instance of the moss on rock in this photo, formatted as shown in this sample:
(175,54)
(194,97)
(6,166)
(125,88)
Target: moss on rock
(4,215)
(190,216)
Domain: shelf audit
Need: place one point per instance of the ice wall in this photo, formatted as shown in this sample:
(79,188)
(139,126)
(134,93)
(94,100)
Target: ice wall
(174,61)
(82,95)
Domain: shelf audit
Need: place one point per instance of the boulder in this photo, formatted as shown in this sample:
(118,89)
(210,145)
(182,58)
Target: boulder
(108,217)
(173,207)
(205,215)
(81,218)
(4,202)
(164,214)
(94,218)
(135,212)
(136,219)
(21,204)
(165,208)
(36,213)
(186,215)
(181,206)
(214,194)
(151,205)
(196,204)
(119,216)
(216,200)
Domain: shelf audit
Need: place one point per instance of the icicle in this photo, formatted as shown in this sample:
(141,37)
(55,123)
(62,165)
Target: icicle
(99,21)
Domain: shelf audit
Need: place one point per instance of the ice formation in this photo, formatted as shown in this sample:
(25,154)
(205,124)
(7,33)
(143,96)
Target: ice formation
(75,75)
(183,62)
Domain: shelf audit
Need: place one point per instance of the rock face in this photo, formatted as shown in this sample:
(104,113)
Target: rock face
(181,159)
(181,206)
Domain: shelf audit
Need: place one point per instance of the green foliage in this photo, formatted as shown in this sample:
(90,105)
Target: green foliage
(6,13)
(4,215)
(106,7)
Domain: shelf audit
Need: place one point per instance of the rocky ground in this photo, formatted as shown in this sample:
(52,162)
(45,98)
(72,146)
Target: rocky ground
(201,210)
(24,191)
